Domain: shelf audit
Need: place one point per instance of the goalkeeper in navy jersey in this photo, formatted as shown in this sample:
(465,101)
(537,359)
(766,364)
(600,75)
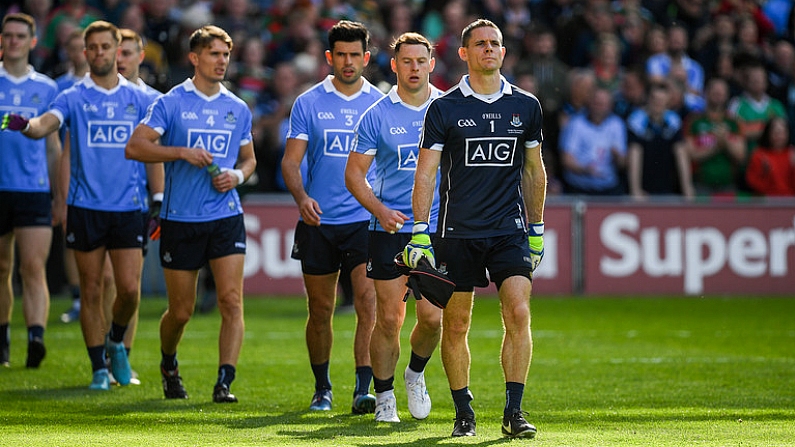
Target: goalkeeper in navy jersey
(486,135)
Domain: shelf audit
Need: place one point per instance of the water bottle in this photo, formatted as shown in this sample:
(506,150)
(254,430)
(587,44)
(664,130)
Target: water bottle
(214,170)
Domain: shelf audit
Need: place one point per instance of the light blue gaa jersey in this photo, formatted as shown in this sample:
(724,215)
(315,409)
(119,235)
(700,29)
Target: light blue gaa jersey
(220,124)
(390,132)
(100,122)
(152,94)
(326,118)
(23,161)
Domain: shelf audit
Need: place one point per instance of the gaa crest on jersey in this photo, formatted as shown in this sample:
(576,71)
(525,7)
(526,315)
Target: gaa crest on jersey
(214,141)
(490,151)
(230,118)
(516,121)
(109,133)
(337,142)
(407,157)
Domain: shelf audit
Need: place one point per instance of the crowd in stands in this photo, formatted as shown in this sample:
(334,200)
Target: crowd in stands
(641,97)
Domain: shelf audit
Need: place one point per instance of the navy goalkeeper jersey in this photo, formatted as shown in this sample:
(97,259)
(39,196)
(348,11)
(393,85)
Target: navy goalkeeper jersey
(483,141)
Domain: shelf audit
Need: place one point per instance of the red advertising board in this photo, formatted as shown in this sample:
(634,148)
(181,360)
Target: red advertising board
(689,249)
(270,227)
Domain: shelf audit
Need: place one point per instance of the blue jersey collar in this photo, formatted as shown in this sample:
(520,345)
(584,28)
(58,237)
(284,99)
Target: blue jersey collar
(395,98)
(328,86)
(89,83)
(18,80)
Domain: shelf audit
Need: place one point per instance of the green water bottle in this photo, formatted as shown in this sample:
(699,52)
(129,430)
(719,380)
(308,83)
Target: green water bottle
(214,170)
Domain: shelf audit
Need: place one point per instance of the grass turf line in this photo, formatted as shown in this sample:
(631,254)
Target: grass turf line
(606,371)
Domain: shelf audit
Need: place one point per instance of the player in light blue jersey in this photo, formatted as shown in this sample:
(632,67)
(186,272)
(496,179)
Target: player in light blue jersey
(78,69)
(332,232)
(104,200)
(486,135)
(204,134)
(388,133)
(26,167)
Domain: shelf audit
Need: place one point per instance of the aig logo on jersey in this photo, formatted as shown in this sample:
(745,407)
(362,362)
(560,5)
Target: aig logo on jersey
(338,142)
(490,151)
(109,133)
(214,141)
(407,157)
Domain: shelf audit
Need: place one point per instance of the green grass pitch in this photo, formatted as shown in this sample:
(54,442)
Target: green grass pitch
(606,372)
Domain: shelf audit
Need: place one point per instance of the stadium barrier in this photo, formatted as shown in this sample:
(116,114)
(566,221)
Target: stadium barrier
(592,247)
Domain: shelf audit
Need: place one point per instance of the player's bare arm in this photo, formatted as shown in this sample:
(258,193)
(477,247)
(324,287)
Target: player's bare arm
(53,148)
(294,151)
(356,182)
(143,146)
(62,182)
(534,184)
(41,126)
(424,183)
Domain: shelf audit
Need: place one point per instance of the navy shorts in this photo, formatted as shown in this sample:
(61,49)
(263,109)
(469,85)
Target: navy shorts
(382,250)
(189,245)
(466,260)
(24,209)
(87,230)
(325,249)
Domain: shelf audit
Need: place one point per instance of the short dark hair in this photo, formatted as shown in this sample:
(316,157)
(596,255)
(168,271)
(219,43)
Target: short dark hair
(479,23)
(21,18)
(411,38)
(348,31)
(101,26)
(204,37)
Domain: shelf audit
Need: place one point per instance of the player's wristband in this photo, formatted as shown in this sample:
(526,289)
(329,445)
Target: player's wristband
(157,197)
(239,174)
(536,229)
(420,227)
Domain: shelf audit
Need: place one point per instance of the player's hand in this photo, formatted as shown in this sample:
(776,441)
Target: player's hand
(419,246)
(392,220)
(196,156)
(12,121)
(310,211)
(536,240)
(153,226)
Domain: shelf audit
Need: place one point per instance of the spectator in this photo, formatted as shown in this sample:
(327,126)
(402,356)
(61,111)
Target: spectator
(549,71)
(75,10)
(448,64)
(632,33)
(581,86)
(657,161)
(676,63)
(715,144)
(631,94)
(720,35)
(752,10)
(771,170)
(754,107)
(594,147)
(780,70)
(655,42)
(161,28)
(748,41)
(239,18)
(598,21)
(606,63)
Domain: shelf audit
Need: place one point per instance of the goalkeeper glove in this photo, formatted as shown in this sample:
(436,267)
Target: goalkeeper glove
(12,121)
(419,246)
(536,240)
(154,220)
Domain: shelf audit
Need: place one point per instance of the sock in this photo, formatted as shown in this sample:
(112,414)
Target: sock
(5,335)
(417,363)
(322,380)
(461,400)
(168,362)
(117,331)
(35,332)
(97,356)
(226,374)
(364,374)
(383,385)
(513,397)
(75,292)
(128,351)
